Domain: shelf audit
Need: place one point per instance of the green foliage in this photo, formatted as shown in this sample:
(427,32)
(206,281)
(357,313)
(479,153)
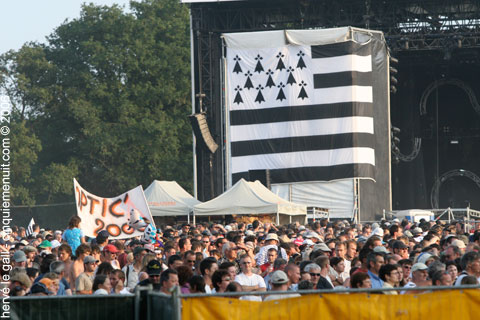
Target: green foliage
(25,147)
(105,100)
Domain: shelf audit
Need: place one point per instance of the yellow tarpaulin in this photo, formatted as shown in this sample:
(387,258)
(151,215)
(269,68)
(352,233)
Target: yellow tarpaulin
(451,304)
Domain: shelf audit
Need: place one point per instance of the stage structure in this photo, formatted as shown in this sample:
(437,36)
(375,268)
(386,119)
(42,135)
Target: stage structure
(435,105)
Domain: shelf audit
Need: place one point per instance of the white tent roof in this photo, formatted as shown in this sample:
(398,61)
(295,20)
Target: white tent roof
(168,198)
(248,198)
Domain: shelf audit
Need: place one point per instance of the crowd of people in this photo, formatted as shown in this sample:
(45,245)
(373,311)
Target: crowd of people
(239,257)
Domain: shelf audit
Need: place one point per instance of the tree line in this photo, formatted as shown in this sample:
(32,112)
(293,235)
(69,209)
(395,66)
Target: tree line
(105,99)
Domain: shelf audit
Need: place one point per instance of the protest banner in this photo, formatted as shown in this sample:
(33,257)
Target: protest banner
(110,214)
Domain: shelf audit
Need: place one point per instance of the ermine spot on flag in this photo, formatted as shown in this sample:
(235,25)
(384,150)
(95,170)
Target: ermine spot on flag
(310,116)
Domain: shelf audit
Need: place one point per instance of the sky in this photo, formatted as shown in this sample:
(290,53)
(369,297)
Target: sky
(32,20)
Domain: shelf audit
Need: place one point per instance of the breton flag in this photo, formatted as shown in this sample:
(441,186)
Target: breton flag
(29,230)
(303,112)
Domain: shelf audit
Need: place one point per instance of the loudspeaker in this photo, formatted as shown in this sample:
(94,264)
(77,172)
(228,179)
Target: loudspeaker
(202,132)
(261,175)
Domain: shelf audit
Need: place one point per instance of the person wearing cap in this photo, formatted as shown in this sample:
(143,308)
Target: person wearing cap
(74,235)
(133,269)
(375,260)
(46,246)
(248,280)
(57,235)
(51,283)
(20,279)
(271,241)
(279,282)
(419,277)
(19,259)
(460,244)
(39,289)
(58,267)
(110,255)
(154,269)
(401,249)
(84,281)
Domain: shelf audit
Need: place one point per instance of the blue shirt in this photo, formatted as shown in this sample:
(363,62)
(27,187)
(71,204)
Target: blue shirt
(73,237)
(377,283)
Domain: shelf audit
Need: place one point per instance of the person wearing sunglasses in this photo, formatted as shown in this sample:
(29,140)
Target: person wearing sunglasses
(313,270)
(249,280)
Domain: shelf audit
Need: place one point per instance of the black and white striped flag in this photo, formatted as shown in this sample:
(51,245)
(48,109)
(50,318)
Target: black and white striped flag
(303,112)
(29,230)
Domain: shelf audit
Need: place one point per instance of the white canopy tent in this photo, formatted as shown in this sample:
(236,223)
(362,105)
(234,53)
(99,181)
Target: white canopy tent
(168,198)
(249,198)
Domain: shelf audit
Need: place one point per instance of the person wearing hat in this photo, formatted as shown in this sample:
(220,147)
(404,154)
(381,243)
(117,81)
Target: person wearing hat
(154,269)
(133,269)
(460,244)
(84,281)
(400,248)
(271,241)
(39,289)
(45,245)
(57,235)
(419,277)
(110,255)
(19,259)
(279,282)
(20,279)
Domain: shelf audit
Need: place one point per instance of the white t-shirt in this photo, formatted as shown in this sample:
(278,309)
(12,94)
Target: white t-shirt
(251,280)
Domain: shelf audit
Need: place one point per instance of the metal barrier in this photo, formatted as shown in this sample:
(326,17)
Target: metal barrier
(79,307)
(146,304)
